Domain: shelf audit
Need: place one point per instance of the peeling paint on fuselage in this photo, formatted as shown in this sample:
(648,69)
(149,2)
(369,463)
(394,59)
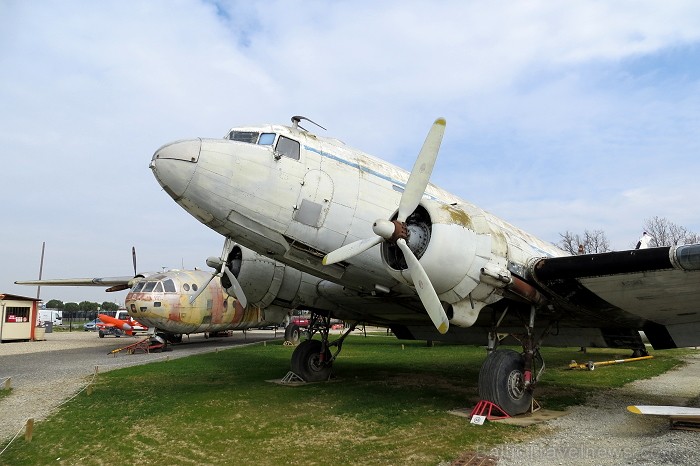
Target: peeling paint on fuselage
(213,310)
(458,216)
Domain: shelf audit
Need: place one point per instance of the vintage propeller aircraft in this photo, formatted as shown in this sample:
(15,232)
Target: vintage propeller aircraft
(444,269)
(178,302)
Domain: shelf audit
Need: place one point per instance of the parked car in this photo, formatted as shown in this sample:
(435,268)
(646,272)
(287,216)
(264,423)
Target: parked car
(91,326)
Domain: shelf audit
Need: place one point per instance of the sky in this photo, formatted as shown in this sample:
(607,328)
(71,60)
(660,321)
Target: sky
(561,116)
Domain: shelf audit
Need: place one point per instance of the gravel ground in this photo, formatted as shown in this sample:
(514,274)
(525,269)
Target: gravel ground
(44,374)
(604,432)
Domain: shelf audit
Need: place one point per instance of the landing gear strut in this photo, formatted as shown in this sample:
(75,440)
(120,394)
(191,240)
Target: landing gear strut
(508,378)
(312,359)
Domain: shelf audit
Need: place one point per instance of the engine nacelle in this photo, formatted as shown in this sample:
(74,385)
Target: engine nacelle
(454,245)
(263,279)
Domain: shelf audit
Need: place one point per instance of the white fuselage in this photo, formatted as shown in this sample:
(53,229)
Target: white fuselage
(296,209)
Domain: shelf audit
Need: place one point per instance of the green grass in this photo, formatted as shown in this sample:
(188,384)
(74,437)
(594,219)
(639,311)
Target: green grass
(386,405)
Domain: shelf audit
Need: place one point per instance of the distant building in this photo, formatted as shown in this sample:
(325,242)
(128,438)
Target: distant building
(18,317)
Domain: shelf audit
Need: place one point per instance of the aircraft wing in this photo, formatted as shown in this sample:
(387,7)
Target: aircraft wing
(656,289)
(682,411)
(97,281)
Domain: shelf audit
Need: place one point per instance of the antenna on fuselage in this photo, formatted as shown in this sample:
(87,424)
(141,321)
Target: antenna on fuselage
(297,118)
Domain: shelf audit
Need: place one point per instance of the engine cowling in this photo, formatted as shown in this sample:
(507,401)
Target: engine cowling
(263,279)
(454,245)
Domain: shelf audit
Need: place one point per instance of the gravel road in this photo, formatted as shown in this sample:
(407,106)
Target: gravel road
(603,432)
(46,373)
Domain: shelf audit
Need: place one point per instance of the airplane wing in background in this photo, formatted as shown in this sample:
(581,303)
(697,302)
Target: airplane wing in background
(113,283)
(659,287)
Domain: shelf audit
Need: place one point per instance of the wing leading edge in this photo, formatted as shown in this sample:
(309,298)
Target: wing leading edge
(97,281)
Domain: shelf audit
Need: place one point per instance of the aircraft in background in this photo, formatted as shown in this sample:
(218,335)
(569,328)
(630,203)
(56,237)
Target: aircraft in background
(117,326)
(444,269)
(178,302)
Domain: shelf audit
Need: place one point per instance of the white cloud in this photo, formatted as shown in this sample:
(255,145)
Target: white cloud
(556,111)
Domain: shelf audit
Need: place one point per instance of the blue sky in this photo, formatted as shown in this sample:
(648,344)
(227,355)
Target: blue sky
(560,115)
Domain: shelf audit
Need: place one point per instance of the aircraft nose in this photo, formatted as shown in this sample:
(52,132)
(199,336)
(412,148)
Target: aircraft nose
(174,164)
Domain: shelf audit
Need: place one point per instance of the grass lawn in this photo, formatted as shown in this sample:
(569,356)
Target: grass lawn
(386,405)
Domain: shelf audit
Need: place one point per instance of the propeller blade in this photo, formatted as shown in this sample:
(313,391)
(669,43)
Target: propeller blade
(202,288)
(423,168)
(425,289)
(237,289)
(351,250)
(133,257)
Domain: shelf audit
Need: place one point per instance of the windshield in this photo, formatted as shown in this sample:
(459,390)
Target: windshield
(252,137)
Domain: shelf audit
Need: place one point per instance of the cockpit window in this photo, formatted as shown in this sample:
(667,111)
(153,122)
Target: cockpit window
(244,136)
(149,287)
(138,287)
(266,139)
(158,288)
(169,286)
(288,147)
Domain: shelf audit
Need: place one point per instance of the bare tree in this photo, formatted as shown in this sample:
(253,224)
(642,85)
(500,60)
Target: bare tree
(591,242)
(663,232)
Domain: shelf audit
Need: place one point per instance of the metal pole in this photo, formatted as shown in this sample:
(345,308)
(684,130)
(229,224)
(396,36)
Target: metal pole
(2,321)
(41,268)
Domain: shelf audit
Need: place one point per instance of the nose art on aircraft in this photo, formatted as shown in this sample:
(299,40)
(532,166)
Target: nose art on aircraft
(174,164)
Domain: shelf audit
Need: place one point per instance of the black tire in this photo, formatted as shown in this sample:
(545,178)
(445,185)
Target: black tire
(501,381)
(102,334)
(306,362)
(292,333)
(174,337)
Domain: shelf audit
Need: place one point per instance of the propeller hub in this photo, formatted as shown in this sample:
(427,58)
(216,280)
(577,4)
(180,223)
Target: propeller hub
(390,230)
(214,262)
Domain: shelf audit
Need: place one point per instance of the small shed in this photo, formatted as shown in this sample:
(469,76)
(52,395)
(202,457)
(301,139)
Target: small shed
(18,317)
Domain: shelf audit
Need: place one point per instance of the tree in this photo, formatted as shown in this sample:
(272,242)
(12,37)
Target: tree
(88,306)
(663,232)
(55,304)
(71,309)
(109,306)
(593,242)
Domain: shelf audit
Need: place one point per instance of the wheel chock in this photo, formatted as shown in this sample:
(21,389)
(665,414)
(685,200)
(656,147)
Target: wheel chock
(491,411)
(291,377)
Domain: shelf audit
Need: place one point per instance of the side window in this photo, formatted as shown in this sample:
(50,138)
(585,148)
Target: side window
(17,314)
(169,286)
(266,139)
(288,147)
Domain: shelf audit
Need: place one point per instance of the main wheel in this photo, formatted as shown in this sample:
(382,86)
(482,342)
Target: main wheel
(101,333)
(291,333)
(306,361)
(502,382)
